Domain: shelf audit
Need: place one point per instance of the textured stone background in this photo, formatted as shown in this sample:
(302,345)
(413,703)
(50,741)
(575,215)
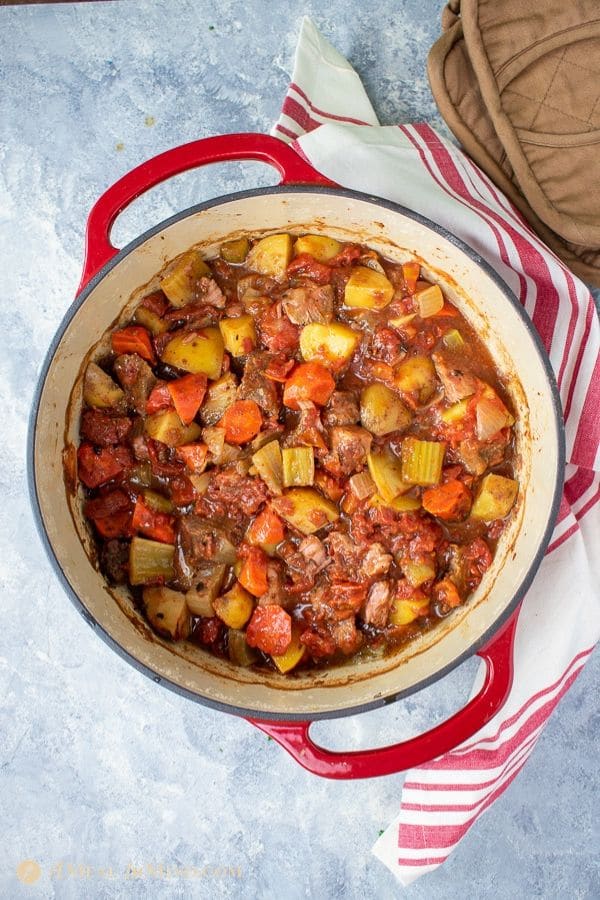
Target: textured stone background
(100,767)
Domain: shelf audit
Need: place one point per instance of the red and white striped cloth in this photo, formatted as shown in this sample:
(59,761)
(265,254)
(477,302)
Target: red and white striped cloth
(330,121)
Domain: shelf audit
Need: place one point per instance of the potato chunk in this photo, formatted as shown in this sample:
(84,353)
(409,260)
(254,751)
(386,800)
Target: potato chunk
(403,612)
(167,427)
(181,279)
(235,607)
(495,498)
(368,289)
(318,245)
(382,411)
(271,255)
(306,509)
(99,390)
(219,397)
(331,344)
(196,351)
(239,335)
(293,655)
(416,376)
(167,612)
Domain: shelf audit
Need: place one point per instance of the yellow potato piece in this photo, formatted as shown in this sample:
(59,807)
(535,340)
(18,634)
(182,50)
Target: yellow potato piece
(400,504)
(368,289)
(167,612)
(239,335)
(294,654)
(167,427)
(271,255)
(416,375)
(382,411)
(331,344)
(181,279)
(99,390)
(318,245)
(306,509)
(403,612)
(198,351)
(495,498)
(235,607)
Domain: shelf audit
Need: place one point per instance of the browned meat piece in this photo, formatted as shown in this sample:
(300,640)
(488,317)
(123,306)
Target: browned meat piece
(332,603)
(200,545)
(230,493)
(476,456)
(386,345)
(275,593)
(346,637)
(136,378)
(345,556)
(375,561)
(376,608)
(193,315)
(457,384)
(342,409)
(314,553)
(350,445)
(309,430)
(114,561)
(308,303)
(102,429)
(319,644)
(210,293)
(256,386)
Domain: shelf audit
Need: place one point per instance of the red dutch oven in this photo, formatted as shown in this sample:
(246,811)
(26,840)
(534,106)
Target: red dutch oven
(113,282)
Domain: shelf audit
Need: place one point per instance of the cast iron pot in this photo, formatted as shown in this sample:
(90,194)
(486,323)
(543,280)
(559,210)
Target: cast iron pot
(113,281)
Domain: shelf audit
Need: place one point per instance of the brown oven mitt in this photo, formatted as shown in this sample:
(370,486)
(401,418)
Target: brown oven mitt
(519,86)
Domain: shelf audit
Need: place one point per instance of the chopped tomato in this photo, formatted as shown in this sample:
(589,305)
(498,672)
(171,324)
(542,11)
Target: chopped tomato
(309,381)
(97,466)
(187,394)
(134,339)
(277,332)
(305,264)
(160,398)
(111,514)
(156,525)
(182,490)
(347,255)
(242,421)
(279,368)
(270,630)
(266,529)
(253,574)
(193,455)
(450,501)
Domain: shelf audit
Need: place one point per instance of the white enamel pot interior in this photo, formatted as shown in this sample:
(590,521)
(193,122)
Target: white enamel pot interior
(484,300)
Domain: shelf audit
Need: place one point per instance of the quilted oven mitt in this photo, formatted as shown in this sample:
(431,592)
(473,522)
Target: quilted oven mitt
(519,86)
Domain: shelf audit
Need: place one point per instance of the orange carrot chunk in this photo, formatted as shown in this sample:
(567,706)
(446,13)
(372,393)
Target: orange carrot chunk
(156,525)
(450,501)
(133,339)
(242,421)
(309,381)
(193,455)
(187,394)
(267,529)
(253,574)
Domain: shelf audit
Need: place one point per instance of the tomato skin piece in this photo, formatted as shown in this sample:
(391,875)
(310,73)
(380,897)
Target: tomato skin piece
(97,467)
(309,381)
(305,264)
(270,630)
(182,490)
(133,339)
(187,394)
(155,525)
(242,421)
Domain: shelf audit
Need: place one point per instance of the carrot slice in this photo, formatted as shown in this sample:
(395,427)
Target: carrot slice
(242,421)
(187,394)
(449,501)
(309,381)
(267,529)
(133,339)
(156,525)
(193,455)
(253,574)
(159,398)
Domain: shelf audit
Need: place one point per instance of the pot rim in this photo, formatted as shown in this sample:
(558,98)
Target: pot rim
(559,433)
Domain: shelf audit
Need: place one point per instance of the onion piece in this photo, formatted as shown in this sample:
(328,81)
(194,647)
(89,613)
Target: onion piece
(430,301)
(491,417)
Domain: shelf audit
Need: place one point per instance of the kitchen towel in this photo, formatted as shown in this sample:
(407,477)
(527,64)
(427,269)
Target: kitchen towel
(327,117)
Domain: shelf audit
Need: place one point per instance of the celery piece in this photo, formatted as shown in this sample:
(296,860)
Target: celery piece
(268,462)
(150,560)
(386,471)
(422,461)
(400,504)
(181,279)
(453,339)
(158,502)
(430,301)
(298,466)
(235,251)
(239,651)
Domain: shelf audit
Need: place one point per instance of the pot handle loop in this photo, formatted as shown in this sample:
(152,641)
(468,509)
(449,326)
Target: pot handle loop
(295,738)
(222,148)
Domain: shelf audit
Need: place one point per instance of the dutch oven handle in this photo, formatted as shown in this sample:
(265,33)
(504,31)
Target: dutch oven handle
(294,736)
(222,148)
